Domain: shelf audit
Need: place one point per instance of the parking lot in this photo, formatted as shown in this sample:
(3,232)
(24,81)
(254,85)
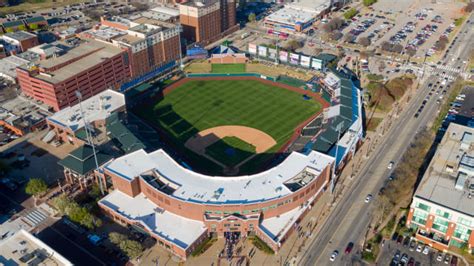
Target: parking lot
(410,252)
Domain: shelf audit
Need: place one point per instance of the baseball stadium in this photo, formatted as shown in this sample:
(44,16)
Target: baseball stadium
(243,153)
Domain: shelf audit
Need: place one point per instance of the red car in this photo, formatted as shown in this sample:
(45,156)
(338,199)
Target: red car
(454,261)
(349,248)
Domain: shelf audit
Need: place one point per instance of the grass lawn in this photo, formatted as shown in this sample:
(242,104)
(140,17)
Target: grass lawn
(199,105)
(230,150)
(228,68)
(36,5)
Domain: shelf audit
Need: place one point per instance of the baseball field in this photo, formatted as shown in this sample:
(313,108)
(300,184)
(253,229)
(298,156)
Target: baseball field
(222,124)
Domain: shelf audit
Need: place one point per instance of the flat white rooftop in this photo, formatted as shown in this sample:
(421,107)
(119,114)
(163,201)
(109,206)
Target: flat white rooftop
(278,226)
(97,107)
(9,64)
(25,249)
(195,187)
(441,183)
(299,12)
(181,231)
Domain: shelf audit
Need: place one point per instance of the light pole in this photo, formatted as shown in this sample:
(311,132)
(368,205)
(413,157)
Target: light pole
(339,129)
(89,138)
(181,66)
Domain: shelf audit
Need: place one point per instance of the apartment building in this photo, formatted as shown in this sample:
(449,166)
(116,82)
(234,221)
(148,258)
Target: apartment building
(149,42)
(207,21)
(442,210)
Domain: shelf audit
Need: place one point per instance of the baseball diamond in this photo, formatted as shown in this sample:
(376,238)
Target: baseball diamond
(194,105)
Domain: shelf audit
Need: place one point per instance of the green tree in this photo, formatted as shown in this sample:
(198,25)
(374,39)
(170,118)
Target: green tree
(62,203)
(22,27)
(132,248)
(117,238)
(369,2)
(252,17)
(9,30)
(350,13)
(36,187)
(33,26)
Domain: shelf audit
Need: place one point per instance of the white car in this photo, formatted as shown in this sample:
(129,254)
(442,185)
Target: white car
(368,198)
(426,250)
(419,248)
(439,257)
(390,165)
(334,255)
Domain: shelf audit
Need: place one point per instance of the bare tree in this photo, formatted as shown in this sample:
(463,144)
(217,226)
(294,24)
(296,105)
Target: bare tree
(364,41)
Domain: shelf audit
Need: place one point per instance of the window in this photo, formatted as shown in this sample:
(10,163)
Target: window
(422,206)
(444,214)
(464,221)
(440,225)
(420,217)
(462,233)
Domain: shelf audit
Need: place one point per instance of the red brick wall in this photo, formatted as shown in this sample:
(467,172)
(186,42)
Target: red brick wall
(196,210)
(108,74)
(28,43)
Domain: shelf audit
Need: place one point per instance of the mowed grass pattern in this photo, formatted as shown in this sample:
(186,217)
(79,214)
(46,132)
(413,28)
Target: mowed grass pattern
(228,68)
(241,150)
(198,105)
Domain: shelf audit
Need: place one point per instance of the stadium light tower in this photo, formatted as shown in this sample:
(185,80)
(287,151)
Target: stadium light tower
(89,138)
(339,129)
(180,29)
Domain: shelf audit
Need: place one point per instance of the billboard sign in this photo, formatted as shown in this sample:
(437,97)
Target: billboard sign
(252,48)
(294,59)
(284,56)
(262,51)
(316,64)
(305,61)
(272,53)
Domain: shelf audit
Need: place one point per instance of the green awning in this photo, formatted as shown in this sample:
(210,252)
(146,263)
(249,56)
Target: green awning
(81,160)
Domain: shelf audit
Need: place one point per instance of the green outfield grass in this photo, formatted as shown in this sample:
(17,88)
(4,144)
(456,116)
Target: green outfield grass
(228,68)
(197,105)
(230,151)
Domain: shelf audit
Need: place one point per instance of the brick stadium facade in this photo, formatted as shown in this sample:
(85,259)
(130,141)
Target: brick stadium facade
(246,216)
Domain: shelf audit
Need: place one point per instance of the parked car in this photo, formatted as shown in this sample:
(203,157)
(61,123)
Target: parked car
(439,257)
(454,261)
(399,239)
(447,259)
(419,248)
(426,250)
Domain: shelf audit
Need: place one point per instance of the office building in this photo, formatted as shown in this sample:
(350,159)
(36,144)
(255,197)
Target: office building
(442,210)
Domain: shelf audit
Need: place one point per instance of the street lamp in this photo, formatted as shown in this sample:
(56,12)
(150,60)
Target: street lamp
(89,138)
(339,129)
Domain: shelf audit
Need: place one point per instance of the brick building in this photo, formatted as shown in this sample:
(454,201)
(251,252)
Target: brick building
(64,67)
(18,42)
(442,209)
(207,21)
(181,208)
(150,43)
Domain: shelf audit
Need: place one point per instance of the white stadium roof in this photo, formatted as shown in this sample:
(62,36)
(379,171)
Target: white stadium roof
(188,185)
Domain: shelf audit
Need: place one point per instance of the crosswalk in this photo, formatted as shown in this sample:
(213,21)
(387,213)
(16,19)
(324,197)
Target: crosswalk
(35,217)
(449,72)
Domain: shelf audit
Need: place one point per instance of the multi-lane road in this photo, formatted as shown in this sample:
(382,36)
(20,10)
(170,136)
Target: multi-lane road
(350,218)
